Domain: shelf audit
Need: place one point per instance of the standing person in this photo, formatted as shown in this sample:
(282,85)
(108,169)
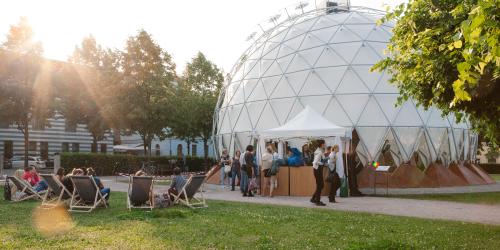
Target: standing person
(332,175)
(236,169)
(266,163)
(224,160)
(274,171)
(246,171)
(318,173)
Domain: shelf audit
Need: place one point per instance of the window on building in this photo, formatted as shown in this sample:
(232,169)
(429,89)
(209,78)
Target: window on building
(157,150)
(38,124)
(104,148)
(93,147)
(70,126)
(193,150)
(32,146)
(44,150)
(75,147)
(4,124)
(8,149)
(65,147)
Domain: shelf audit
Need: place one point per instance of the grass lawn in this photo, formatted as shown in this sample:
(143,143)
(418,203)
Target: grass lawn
(241,226)
(495,177)
(492,198)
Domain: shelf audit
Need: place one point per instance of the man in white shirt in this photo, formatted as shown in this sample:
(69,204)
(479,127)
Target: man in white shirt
(319,154)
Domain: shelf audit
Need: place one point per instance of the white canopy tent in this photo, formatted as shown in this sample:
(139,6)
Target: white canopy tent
(307,124)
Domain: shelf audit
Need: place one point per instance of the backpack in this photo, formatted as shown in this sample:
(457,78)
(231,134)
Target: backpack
(7,195)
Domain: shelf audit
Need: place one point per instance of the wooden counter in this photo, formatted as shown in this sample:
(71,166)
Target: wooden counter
(296,181)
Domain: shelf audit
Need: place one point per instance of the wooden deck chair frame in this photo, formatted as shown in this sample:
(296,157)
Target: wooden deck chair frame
(77,204)
(50,202)
(26,188)
(130,205)
(193,202)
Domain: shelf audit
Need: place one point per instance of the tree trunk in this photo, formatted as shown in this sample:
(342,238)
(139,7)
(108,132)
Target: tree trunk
(26,144)
(94,142)
(188,143)
(205,149)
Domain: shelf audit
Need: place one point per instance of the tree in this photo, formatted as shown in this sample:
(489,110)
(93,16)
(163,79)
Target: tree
(204,80)
(446,53)
(148,73)
(25,87)
(89,97)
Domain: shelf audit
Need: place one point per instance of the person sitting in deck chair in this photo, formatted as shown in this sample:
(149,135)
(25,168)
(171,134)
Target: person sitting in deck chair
(66,180)
(104,191)
(178,181)
(31,176)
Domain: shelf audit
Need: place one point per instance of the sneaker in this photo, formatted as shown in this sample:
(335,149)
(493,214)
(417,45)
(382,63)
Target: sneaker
(232,189)
(244,195)
(312,200)
(332,201)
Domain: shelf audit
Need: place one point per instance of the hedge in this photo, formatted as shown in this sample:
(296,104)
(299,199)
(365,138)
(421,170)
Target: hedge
(491,168)
(111,164)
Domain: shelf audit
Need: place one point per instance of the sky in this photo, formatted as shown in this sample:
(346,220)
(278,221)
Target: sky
(217,28)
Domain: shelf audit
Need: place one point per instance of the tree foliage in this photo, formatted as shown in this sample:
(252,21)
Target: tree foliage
(446,54)
(148,73)
(25,88)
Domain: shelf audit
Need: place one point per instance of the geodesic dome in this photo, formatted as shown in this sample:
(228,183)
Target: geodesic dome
(322,58)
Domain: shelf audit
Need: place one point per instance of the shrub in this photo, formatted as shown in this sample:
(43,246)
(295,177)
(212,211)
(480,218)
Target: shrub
(111,164)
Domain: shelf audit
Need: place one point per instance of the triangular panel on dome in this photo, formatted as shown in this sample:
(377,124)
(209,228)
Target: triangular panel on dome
(296,109)
(249,86)
(336,114)
(297,79)
(244,139)
(466,145)
(325,34)
(311,55)
(424,114)
(436,120)
(281,108)
(436,136)
(379,48)
(424,153)
(372,137)
(339,17)
(225,125)
(353,105)
(294,43)
(408,115)
(270,84)
(372,115)
(331,76)
(344,35)
(265,64)
(258,93)
(370,78)
(318,103)
(285,61)
(445,152)
(384,86)
(314,86)
(379,35)
(361,30)
(294,32)
(252,69)
(230,90)
(366,55)
(272,53)
(346,50)
(359,18)
(391,145)
(351,84)
(324,22)
(285,50)
(254,110)
(305,25)
(273,70)
(267,119)
(408,137)
(239,96)
(243,123)
(388,105)
(298,63)
(458,136)
(311,41)
(330,58)
(283,89)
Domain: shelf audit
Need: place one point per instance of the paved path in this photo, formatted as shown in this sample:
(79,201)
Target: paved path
(475,213)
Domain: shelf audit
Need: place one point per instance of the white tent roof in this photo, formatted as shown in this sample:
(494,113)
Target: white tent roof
(307,123)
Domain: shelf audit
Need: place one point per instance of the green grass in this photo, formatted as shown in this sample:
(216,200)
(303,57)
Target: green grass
(495,177)
(241,226)
(491,198)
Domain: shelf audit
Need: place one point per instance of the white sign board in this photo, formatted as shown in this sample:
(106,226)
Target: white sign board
(383,168)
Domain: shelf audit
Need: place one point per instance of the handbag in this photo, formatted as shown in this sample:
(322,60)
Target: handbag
(227,169)
(252,185)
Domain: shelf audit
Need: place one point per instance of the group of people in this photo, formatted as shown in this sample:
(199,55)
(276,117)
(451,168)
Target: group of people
(328,158)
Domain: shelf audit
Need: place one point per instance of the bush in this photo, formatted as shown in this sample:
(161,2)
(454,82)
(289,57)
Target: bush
(111,164)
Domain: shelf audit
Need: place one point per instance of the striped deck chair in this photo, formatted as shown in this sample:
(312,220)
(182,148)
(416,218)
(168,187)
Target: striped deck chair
(56,193)
(86,194)
(187,194)
(26,188)
(140,192)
